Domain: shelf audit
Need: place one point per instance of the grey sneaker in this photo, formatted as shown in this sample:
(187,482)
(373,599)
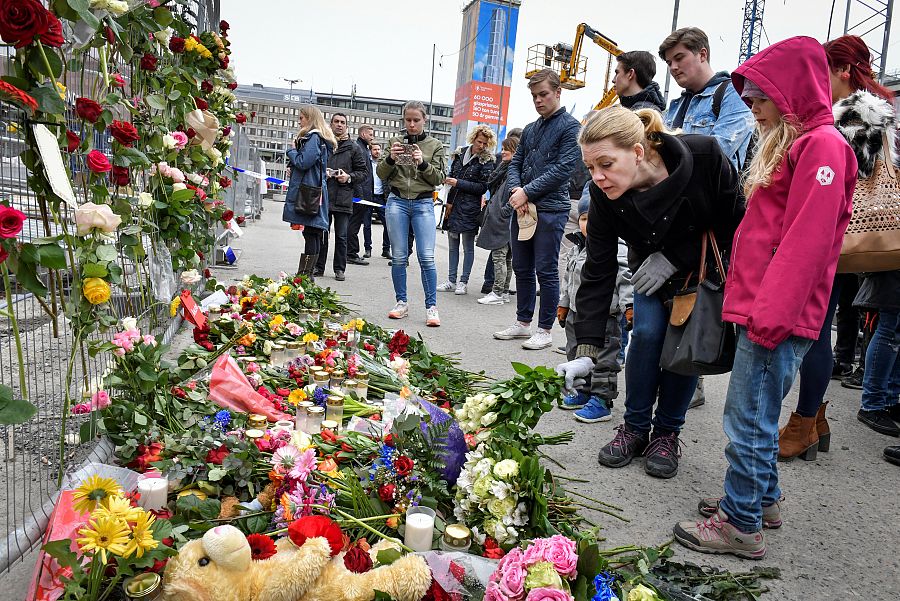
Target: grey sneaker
(400,310)
(516,330)
(432,319)
(623,448)
(662,454)
(771,517)
(716,535)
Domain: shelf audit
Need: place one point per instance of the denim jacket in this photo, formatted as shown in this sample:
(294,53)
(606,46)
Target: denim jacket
(734,127)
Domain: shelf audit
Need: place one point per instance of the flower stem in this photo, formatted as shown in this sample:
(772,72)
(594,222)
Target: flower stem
(15,328)
(46,61)
(76,343)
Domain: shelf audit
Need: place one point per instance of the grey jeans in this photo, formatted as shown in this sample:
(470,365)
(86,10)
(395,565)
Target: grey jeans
(603,380)
(502,260)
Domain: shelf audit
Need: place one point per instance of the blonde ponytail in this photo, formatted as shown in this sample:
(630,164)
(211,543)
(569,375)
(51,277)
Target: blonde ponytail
(625,127)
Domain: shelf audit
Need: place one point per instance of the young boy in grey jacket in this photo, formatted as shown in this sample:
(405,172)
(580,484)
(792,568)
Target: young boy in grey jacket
(594,398)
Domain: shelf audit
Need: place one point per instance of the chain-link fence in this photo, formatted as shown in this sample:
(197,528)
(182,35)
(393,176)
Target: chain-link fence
(35,453)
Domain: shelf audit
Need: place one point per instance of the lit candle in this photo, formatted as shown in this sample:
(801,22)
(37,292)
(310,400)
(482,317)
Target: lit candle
(419,528)
(154,493)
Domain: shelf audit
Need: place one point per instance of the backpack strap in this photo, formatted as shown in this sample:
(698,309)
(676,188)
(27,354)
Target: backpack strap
(718,96)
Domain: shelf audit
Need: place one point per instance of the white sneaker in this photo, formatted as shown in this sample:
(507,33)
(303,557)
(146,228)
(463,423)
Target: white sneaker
(539,340)
(461,288)
(518,330)
(432,319)
(400,310)
(491,299)
(505,297)
(446,287)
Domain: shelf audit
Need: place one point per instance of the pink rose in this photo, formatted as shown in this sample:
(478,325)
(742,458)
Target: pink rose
(562,554)
(492,593)
(548,594)
(149,339)
(100,400)
(537,551)
(512,574)
(181,139)
(90,216)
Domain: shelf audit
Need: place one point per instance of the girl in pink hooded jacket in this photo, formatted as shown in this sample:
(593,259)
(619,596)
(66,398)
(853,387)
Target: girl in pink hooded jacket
(799,186)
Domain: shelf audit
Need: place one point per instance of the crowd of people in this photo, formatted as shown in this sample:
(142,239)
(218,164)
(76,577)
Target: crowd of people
(745,182)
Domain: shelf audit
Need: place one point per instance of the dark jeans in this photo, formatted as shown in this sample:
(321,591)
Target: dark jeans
(643,376)
(312,240)
(340,221)
(489,275)
(385,238)
(881,382)
(538,256)
(847,318)
(815,371)
(361,217)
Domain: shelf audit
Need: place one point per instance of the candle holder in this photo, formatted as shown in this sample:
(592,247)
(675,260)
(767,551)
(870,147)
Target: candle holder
(154,493)
(300,418)
(419,534)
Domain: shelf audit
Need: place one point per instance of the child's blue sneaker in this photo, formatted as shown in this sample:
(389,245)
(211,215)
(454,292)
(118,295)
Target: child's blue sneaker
(595,411)
(576,400)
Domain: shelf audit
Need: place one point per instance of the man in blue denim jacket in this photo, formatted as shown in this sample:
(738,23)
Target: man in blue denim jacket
(686,52)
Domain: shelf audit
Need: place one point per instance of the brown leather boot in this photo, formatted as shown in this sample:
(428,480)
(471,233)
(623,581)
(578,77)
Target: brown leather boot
(798,438)
(822,429)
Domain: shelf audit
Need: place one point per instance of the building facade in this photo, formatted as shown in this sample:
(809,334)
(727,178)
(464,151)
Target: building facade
(277,115)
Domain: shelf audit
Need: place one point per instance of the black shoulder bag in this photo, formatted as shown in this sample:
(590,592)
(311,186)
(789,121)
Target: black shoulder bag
(309,198)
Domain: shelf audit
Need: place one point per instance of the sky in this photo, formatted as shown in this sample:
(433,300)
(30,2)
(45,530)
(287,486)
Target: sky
(385,48)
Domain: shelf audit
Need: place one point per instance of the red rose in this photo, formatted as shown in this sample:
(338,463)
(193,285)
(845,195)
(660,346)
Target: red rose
(403,465)
(202,256)
(11,222)
(492,550)
(226,131)
(399,342)
(233,85)
(120,176)
(240,220)
(148,62)
(224,26)
(88,110)
(201,104)
(22,20)
(123,132)
(386,493)
(227,215)
(261,546)
(190,133)
(224,182)
(4,255)
(241,118)
(282,392)
(223,63)
(357,561)
(390,440)
(207,345)
(253,114)
(316,526)
(206,86)
(176,44)
(97,162)
(217,456)
(207,273)
(110,35)
(53,37)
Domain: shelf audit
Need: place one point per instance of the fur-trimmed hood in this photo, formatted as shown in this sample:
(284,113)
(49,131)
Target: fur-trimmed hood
(483,157)
(862,118)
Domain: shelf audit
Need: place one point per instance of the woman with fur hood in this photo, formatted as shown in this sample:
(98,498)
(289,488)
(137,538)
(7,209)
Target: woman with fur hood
(470,168)
(862,114)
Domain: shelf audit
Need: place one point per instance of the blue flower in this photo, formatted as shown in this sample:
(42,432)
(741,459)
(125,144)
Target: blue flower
(386,457)
(320,396)
(603,583)
(222,419)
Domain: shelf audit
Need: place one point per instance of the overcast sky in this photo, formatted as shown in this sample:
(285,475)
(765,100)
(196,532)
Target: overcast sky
(384,47)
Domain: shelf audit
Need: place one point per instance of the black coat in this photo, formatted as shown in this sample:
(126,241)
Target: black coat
(465,196)
(879,291)
(348,157)
(365,188)
(702,192)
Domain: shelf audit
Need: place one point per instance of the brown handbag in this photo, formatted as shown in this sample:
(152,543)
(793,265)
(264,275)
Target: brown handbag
(872,240)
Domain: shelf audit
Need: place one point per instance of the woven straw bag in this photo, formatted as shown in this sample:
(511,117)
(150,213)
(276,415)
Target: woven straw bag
(872,240)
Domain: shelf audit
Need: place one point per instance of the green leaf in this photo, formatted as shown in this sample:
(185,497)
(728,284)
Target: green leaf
(26,274)
(386,557)
(14,411)
(61,550)
(48,100)
(521,368)
(156,101)
(209,509)
(52,256)
(87,431)
(174,94)
(140,419)
(107,252)
(94,270)
(216,474)
(163,16)
(37,66)
(181,195)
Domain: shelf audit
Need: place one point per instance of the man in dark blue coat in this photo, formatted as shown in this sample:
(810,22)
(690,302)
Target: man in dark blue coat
(362,214)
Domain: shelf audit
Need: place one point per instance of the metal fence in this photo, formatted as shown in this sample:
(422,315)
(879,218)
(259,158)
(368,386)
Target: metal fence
(31,461)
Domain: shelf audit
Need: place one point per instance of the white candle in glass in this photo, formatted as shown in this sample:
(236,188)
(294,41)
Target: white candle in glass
(419,530)
(154,493)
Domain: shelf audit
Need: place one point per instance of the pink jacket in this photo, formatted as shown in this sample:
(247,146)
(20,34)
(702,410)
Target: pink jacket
(786,248)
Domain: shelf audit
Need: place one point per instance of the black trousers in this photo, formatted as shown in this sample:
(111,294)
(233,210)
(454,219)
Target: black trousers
(848,319)
(361,217)
(341,221)
(385,238)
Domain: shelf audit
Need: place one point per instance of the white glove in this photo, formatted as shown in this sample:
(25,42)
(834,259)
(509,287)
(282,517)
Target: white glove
(575,370)
(652,274)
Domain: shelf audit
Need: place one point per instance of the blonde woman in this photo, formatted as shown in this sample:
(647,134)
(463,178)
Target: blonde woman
(470,169)
(307,159)
(658,192)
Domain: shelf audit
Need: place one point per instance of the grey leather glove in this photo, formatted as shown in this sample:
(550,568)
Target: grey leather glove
(652,274)
(575,371)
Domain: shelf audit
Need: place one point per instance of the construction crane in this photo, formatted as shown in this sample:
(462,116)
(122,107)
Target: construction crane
(566,59)
(752,29)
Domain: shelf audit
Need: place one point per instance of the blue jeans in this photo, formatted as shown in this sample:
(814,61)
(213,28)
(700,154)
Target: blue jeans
(468,244)
(815,371)
(643,376)
(401,213)
(881,382)
(759,382)
(623,327)
(540,256)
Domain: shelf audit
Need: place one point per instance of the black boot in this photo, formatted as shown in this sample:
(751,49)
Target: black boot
(311,267)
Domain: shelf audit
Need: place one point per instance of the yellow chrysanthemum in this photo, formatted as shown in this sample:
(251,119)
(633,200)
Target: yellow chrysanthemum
(141,536)
(92,491)
(174,305)
(61,89)
(297,396)
(284,291)
(310,337)
(354,324)
(104,535)
(190,44)
(117,507)
(276,321)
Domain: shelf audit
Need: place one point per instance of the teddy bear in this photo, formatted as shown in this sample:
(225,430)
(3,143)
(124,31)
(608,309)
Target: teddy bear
(219,567)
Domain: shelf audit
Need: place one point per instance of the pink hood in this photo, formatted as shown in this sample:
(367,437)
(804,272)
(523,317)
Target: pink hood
(785,251)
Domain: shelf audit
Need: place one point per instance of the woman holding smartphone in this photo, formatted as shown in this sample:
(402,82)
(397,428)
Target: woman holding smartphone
(415,166)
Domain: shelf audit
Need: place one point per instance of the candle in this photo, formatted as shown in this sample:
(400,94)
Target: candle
(154,493)
(300,417)
(284,424)
(419,528)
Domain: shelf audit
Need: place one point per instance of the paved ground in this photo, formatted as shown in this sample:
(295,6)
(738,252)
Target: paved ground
(842,511)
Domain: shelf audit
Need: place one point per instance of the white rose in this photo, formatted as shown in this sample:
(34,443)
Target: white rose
(195,179)
(488,418)
(90,216)
(506,469)
(191,276)
(169,142)
(145,199)
(129,323)
(162,36)
(267,347)
(177,187)
(215,154)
